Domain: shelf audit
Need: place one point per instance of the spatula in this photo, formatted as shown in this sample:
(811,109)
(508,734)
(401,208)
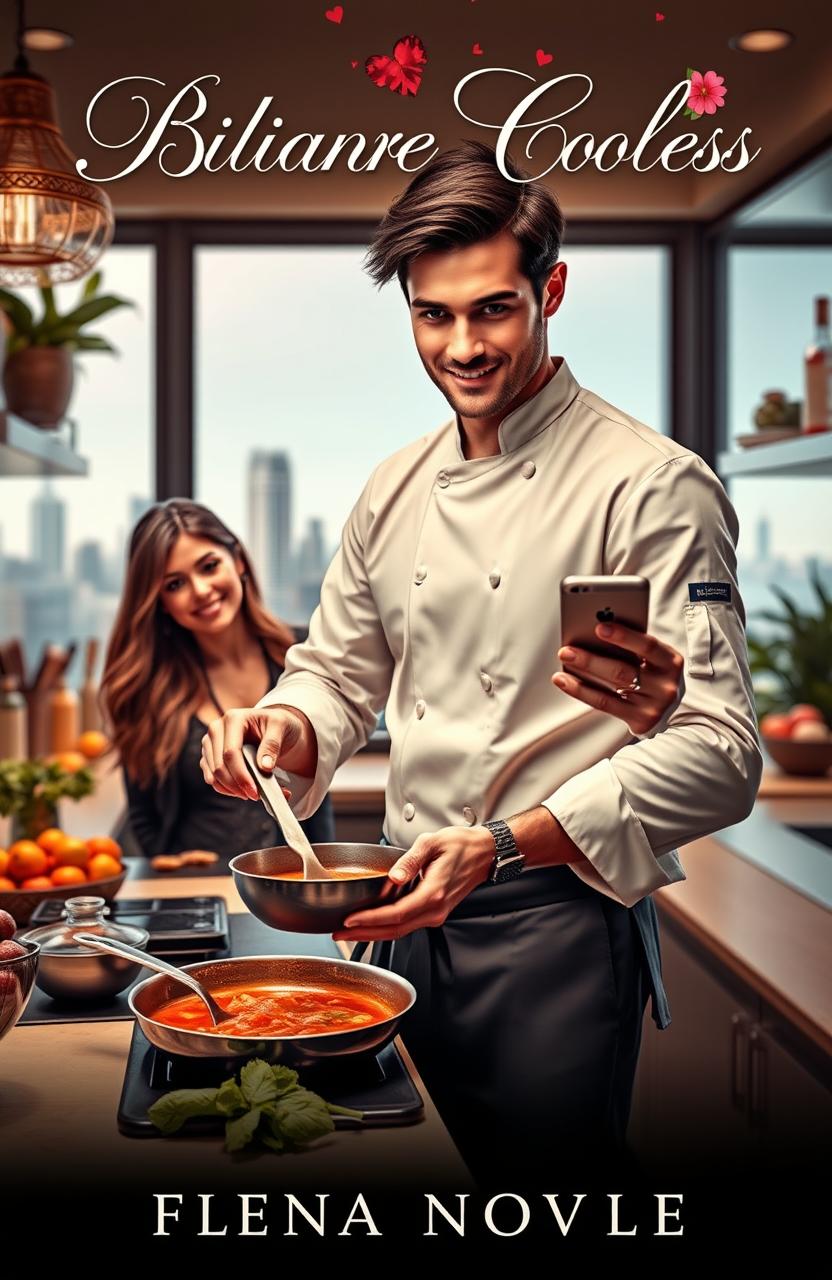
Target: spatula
(271,794)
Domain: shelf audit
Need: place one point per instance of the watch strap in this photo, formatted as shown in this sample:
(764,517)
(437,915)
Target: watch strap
(508,860)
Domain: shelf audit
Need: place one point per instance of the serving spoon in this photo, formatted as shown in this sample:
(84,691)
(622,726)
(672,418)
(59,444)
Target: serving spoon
(271,794)
(117,948)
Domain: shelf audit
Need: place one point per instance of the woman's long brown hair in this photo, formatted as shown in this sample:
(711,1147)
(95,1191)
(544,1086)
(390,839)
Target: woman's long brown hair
(153,673)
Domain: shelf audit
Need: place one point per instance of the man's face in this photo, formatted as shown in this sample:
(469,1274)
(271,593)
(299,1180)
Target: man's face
(479,331)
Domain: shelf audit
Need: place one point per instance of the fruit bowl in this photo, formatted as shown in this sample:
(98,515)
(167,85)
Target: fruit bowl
(21,902)
(809,759)
(17,980)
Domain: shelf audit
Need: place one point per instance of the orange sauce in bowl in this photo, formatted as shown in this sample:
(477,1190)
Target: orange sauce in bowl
(337,873)
(263,1009)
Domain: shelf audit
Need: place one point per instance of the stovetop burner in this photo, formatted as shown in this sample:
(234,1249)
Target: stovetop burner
(380,1086)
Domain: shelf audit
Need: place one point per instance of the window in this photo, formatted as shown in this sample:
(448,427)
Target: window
(62,540)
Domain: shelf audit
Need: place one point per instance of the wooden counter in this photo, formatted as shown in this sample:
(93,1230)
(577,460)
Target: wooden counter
(63,1081)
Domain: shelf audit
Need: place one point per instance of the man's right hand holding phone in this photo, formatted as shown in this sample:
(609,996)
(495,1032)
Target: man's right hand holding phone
(284,738)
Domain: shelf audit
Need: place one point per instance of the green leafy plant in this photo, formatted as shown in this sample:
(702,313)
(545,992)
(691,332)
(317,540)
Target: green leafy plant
(55,330)
(30,790)
(797,662)
(268,1104)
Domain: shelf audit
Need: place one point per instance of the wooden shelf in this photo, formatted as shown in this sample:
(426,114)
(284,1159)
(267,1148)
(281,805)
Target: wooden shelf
(809,456)
(34,451)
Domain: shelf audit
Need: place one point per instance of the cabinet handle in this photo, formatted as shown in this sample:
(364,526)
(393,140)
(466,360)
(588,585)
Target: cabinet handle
(756,1079)
(739,1063)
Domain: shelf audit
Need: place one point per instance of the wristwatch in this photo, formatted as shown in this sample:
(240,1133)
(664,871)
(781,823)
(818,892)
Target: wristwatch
(509,861)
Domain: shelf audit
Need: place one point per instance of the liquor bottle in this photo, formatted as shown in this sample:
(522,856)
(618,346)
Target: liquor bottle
(13,728)
(63,718)
(817,363)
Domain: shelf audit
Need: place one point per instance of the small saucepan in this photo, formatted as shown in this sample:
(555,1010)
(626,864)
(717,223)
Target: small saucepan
(310,905)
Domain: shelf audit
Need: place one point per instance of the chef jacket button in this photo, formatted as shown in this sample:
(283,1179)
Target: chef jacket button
(494,579)
(443,479)
(420,709)
(486,681)
(420,574)
(409,812)
(528,469)
(469,815)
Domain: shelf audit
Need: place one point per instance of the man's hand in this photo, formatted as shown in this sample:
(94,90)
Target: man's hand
(283,738)
(451,862)
(660,673)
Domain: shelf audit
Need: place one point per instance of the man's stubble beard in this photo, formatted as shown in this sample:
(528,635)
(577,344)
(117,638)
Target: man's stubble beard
(522,374)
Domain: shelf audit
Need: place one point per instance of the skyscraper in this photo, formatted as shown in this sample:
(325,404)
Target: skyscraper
(270,528)
(48,528)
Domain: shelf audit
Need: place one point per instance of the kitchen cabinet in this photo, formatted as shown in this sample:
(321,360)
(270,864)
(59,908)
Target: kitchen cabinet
(729,1084)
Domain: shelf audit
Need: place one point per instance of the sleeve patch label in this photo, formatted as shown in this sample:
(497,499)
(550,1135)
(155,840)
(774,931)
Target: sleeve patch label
(709,591)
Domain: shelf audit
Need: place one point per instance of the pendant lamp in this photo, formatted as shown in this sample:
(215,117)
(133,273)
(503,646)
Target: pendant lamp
(54,225)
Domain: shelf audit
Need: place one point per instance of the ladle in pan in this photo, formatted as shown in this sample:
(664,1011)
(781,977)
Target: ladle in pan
(117,948)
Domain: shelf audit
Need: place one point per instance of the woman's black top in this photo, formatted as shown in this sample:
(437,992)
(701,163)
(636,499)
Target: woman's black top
(183,812)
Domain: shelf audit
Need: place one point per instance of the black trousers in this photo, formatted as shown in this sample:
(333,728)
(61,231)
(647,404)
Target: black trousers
(527,1027)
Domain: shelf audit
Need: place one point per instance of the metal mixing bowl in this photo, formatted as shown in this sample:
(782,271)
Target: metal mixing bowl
(74,972)
(314,906)
(315,971)
(17,980)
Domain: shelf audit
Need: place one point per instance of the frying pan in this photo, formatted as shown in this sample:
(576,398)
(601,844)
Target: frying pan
(146,998)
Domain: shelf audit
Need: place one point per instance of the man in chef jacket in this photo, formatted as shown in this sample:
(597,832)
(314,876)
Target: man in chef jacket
(532,942)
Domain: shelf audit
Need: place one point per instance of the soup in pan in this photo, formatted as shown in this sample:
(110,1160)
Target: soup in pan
(337,873)
(271,1010)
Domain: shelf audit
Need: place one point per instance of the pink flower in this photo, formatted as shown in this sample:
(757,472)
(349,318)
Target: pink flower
(706,92)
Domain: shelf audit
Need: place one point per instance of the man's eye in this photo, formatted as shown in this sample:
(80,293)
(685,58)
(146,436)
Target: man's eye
(432,313)
(495,308)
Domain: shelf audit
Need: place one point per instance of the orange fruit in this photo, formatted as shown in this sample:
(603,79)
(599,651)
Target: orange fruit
(37,882)
(4,861)
(104,844)
(102,867)
(71,761)
(26,859)
(50,862)
(68,875)
(7,885)
(92,744)
(71,853)
(49,838)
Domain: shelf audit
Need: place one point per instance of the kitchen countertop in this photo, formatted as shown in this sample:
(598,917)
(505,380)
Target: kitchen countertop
(63,1081)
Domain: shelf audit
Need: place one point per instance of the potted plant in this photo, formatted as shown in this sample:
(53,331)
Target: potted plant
(38,372)
(30,790)
(794,696)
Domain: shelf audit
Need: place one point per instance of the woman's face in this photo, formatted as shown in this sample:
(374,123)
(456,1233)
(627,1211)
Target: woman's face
(201,589)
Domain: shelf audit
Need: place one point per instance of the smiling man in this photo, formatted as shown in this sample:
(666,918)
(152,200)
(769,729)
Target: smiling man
(537,814)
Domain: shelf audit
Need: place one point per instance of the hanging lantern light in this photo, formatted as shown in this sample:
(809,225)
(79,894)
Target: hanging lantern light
(54,225)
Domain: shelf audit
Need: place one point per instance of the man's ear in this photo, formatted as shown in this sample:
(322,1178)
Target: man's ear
(554,289)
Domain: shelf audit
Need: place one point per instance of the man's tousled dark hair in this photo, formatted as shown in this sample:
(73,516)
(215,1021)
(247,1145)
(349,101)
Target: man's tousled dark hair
(461,197)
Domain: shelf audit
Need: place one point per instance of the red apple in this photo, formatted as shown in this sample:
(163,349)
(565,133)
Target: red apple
(7,926)
(805,713)
(776,725)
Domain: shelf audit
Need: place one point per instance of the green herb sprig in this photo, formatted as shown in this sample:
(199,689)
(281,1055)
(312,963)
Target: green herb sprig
(268,1104)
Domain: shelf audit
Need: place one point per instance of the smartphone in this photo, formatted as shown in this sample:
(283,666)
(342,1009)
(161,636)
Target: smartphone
(586,601)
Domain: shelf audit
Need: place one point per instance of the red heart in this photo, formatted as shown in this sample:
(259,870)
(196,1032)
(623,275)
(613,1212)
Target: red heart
(477,48)
(336,14)
(403,72)
(660,17)
(543,58)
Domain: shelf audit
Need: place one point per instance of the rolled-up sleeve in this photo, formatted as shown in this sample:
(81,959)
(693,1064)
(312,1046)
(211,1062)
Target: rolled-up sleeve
(699,769)
(340,676)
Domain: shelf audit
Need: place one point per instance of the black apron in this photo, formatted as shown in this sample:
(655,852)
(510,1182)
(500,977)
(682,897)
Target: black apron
(527,1025)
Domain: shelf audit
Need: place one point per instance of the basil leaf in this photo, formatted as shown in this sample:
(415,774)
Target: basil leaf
(284,1078)
(230,1098)
(302,1116)
(257,1083)
(170,1112)
(240,1130)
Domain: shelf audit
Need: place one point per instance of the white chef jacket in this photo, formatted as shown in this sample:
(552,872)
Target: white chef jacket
(442,606)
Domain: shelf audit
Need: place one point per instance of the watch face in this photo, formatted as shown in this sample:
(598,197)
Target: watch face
(509,870)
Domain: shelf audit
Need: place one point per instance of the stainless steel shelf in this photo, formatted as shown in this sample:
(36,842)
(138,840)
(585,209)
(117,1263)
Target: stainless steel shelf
(810,455)
(33,451)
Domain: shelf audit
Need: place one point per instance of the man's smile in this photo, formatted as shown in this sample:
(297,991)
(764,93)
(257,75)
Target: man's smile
(473,375)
